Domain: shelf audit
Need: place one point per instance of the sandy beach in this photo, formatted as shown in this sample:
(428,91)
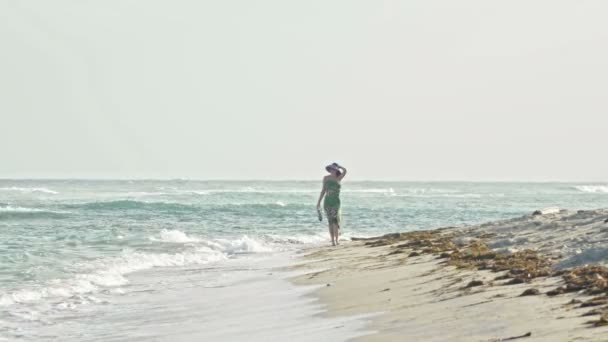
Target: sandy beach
(539,277)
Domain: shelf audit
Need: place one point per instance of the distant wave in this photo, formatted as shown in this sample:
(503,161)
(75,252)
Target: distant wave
(247,190)
(10,211)
(448,195)
(132,204)
(372,191)
(594,189)
(161,206)
(29,190)
(143,194)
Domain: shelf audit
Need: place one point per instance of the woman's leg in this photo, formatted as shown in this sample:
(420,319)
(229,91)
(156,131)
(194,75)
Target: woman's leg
(337,233)
(331,234)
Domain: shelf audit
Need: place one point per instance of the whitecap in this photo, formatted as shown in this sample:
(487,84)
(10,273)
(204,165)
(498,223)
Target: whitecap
(11,209)
(594,189)
(174,236)
(30,190)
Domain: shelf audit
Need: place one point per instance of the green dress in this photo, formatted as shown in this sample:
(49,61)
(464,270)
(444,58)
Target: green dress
(332,201)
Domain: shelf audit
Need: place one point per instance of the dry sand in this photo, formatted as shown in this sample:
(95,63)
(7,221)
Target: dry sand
(422,298)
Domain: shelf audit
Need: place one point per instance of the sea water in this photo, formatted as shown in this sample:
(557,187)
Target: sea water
(87,260)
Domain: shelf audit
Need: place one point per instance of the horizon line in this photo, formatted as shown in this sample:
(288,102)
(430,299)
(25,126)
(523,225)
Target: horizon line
(295,180)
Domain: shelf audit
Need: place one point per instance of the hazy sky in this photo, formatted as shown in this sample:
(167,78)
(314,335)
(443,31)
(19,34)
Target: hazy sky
(404,90)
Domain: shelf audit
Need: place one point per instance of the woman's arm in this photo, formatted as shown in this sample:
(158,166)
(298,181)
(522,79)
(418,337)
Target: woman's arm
(322,194)
(343,172)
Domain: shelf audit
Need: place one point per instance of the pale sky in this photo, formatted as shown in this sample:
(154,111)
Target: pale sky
(394,90)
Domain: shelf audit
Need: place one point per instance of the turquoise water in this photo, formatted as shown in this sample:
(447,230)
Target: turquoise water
(69,246)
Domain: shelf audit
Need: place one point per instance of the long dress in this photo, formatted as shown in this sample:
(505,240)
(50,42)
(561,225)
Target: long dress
(332,201)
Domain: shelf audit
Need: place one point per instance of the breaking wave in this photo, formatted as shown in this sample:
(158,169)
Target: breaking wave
(594,189)
(17,212)
(107,273)
(132,205)
(29,190)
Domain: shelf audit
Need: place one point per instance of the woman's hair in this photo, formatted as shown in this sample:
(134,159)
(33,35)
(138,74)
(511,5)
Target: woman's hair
(334,167)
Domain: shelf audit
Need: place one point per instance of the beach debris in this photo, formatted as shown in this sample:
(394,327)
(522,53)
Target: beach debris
(414,254)
(515,281)
(379,243)
(603,321)
(385,236)
(591,280)
(598,301)
(587,280)
(530,292)
(606,221)
(328,285)
(522,266)
(425,242)
(385,290)
(511,338)
(594,312)
(517,337)
(479,303)
(474,283)
(464,241)
(556,292)
(396,252)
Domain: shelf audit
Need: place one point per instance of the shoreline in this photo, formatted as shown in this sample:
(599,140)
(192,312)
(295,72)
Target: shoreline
(512,279)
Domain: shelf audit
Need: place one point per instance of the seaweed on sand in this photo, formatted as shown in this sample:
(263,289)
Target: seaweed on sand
(521,266)
(590,280)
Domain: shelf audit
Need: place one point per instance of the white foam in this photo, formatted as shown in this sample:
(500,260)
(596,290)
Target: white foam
(297,239)
(549,211)
(192,192)
(372,191)
(280,204)
(11,209)
(250,190)
(257,300)
(594,189)
(30,190)
(174,236)
(144,194)
(110,272)
(244,244)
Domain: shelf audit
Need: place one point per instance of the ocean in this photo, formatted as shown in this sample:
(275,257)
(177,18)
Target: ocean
(142,260)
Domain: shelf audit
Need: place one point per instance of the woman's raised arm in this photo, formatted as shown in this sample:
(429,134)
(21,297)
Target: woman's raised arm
(344,171)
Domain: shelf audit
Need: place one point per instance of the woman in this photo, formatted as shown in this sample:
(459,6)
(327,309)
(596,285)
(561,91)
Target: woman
(331,192)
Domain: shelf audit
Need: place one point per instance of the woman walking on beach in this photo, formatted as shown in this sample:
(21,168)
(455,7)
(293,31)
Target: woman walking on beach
(331,192)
